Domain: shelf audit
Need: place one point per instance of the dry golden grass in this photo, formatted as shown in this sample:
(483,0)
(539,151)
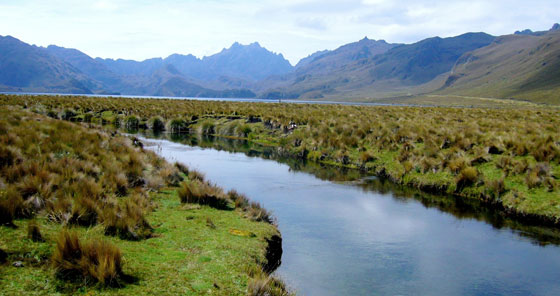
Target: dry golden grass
(424,147)
(93,261)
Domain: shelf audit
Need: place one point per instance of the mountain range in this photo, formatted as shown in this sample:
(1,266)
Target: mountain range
(524,65)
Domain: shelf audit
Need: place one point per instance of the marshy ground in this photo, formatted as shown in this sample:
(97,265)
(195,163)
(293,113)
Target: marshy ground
(507,157)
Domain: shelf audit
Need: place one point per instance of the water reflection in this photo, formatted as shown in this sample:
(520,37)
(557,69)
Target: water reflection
(360,235)
(458,207)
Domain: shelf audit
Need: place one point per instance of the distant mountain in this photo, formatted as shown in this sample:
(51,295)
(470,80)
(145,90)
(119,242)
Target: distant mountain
(26,68)
(423,61)
(514,66)
(310,58)
(538,33)
(168,81)
(251,62)
(29,68)
(130,67)
(524,65)
(88,66)
(376,68)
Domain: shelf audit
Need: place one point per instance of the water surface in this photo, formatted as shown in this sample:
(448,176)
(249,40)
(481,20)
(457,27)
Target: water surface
(370,237)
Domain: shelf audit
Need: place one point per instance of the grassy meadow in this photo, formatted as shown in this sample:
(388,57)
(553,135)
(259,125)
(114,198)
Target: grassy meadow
(506,157)
(84,210)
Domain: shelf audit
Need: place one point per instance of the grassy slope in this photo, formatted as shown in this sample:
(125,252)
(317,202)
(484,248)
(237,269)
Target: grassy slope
(515,66)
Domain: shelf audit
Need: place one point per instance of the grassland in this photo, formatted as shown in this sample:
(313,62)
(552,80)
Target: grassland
(508,158)
(87,211)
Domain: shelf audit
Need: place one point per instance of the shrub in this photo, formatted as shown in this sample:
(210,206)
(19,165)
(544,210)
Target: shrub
(95,261)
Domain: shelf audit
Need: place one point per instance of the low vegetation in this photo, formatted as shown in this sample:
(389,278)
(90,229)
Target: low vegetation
(507,157)
(97,261)
(85,210)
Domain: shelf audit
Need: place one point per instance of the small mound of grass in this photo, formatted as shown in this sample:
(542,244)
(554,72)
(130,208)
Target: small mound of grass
(203,193)
(91,262)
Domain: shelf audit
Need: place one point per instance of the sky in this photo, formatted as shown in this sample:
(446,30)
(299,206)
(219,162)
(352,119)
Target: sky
(143,29)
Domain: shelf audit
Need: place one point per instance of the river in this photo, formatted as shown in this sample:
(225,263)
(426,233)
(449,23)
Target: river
(368,237)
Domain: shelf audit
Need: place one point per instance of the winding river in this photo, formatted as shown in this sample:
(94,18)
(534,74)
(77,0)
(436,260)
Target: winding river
(368,237)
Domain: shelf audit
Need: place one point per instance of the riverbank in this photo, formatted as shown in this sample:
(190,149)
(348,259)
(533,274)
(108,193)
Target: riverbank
(507,158)
(87,211)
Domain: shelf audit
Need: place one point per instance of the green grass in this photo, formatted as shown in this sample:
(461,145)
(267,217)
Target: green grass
(56,174)
(424,147)
(185,258)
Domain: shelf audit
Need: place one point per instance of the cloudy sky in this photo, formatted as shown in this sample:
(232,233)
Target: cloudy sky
(142,29)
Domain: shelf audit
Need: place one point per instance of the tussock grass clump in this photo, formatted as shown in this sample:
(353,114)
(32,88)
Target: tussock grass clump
(177,125)
(34,232)
(6,213)
(182,168)
(156,124)
(467,177)
(90,262)
(85,211)
(131,122)
(74,172)
(265,285)
(196,175)
(240,200)
(202,193)
(538,175)
(3,256)
(257,213)
(495,187)
(127,221)
(457,165)
(253,210)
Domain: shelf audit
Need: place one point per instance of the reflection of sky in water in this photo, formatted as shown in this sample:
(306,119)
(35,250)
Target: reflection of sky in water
(341,240)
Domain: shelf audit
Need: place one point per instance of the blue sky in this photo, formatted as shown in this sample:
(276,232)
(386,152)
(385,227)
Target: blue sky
(296,28)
